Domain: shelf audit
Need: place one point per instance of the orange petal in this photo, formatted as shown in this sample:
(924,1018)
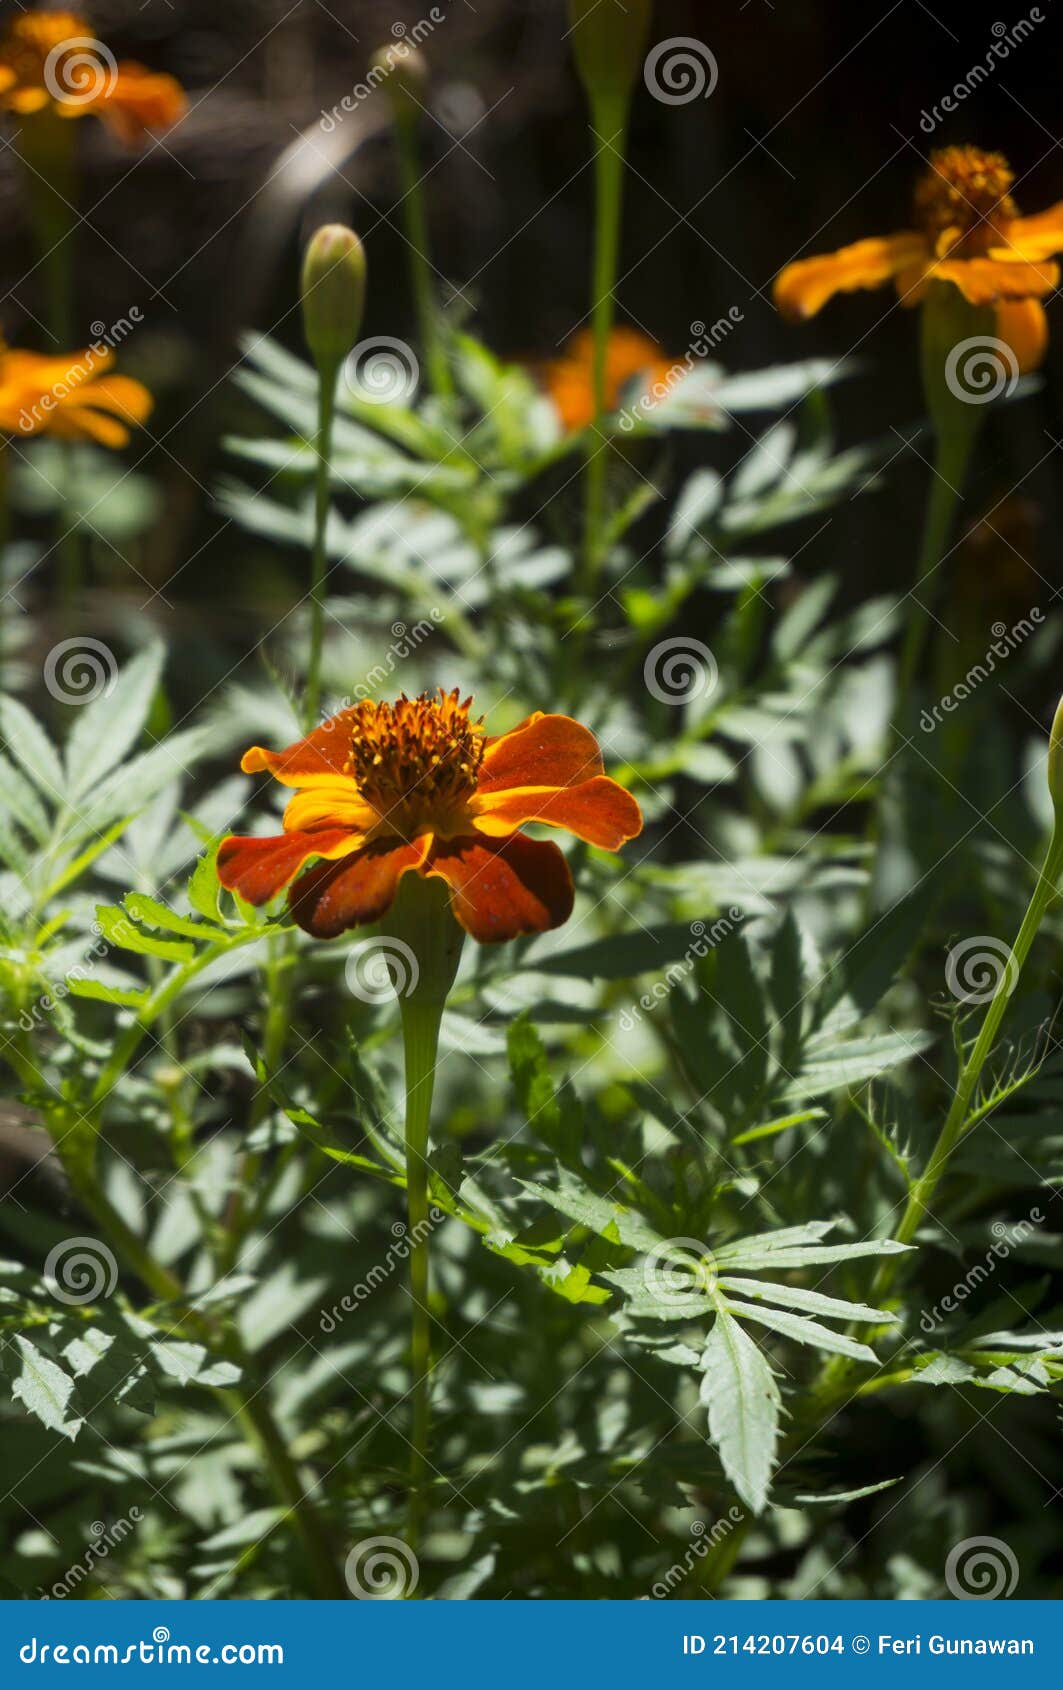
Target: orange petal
(498,891)
(317,760)
(1032,238)
(983,281)
(335,896)
(803,288)
(258,867)
(598,811)
(1022,325)
(541,751)
(329,806)
(140,100)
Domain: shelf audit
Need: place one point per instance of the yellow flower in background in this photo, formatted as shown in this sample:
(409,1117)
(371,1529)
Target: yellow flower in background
(632,358)
(968,232)
(51,61)
(73,396)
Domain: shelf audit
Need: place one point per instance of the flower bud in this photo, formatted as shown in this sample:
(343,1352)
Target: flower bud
(402,70)
(333,293)
(609,44)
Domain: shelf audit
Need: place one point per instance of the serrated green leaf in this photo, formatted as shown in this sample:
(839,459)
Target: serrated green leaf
(742,1395)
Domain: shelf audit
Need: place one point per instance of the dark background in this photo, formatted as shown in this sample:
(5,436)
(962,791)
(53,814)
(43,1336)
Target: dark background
(811,138)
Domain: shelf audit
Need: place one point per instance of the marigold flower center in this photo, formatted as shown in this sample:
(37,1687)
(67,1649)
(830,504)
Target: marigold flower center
(964,192)
(416,761)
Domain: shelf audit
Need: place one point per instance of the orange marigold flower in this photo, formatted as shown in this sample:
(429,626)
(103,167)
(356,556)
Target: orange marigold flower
(968,232)
(383,790)
(569,380)
(51,61)
(72,396)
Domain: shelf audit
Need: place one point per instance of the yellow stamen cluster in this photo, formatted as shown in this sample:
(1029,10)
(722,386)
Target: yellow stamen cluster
(964,190)
(416,761)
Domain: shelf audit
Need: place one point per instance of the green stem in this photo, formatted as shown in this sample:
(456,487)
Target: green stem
(326,407)
(415,220)
(609,112)
(420,1030)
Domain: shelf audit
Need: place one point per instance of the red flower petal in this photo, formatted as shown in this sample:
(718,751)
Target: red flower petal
(598,810)
(314,761)
(542,751)
(335,896)
(258,868)
(500,890)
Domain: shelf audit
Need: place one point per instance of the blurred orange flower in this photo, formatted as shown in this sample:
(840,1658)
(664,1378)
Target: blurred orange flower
(72,396)
(383,790)
(969,233)
(631,357)
(51,61)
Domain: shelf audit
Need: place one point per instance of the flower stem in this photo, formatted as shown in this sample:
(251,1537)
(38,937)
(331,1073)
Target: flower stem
(326,406)
(420,1029)
(415,220)
(609,111)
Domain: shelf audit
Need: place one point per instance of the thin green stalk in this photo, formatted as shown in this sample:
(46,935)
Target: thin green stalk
(415,221)
(326,406)
(610,124)
(951,460)
(420,1030)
